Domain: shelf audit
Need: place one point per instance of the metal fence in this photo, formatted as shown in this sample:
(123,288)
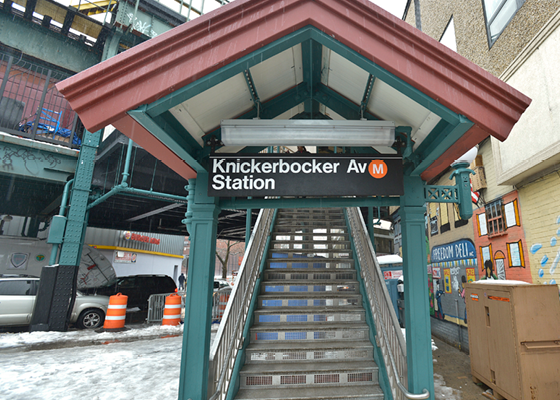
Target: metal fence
(32,107)
(156,305)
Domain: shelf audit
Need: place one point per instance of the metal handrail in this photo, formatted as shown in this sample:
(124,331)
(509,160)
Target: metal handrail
(392,346)
(229,338)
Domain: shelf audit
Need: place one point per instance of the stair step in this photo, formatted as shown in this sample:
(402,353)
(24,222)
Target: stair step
(278,244)
(310,253)
(311,229)
(310,314)
(307,274)
(309,236)
(268,352)
(309,374)
(310,331)
(306,262)
(301,220)
(361,392)
(289,300)
(302,286)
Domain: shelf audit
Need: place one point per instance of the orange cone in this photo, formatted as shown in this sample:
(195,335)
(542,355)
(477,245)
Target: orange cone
(116,312)
(172,310)
(222,304)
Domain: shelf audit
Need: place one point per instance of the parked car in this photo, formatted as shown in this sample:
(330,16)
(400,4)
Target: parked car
(17,300)
(221,284)
(139,288)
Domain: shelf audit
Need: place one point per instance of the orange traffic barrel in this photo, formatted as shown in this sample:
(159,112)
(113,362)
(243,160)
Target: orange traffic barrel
(172,310)
(222,304)
(116,312)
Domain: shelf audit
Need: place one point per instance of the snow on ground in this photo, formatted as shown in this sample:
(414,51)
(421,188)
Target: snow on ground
(142,363)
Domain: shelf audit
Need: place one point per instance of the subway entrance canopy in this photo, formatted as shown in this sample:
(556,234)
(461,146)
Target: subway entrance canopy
(297,59)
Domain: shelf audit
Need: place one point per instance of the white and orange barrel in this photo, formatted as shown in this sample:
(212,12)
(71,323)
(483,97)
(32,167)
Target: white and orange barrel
(172,310)
(116,312)
(223,299)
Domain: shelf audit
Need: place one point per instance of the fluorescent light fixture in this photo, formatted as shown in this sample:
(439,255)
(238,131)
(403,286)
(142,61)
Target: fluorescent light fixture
(307,132)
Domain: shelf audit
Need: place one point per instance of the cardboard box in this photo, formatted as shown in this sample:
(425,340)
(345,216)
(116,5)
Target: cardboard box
(479,179)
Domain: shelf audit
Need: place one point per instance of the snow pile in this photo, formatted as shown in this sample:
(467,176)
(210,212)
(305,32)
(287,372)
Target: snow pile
(501,282)
(442,392)
(81,338)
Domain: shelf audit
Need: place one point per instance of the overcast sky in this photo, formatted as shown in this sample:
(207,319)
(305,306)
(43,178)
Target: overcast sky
(395,7)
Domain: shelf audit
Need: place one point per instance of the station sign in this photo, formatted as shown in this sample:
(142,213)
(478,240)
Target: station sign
(234,175)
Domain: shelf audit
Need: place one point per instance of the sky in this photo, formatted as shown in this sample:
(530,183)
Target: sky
(142,363)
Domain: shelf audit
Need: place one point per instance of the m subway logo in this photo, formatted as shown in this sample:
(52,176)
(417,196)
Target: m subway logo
(258,174)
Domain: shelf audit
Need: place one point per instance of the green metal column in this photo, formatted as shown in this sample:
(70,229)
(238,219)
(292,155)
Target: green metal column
(71,250)
(202,223)
(417,312)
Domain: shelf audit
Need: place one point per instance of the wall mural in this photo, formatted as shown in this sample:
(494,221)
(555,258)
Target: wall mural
(452,266)
(548,268)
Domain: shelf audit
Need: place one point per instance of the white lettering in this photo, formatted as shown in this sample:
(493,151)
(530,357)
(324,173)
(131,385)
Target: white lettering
(316,168)
(306,168)
(336,165)
(378,169)
(295,168)
(218,166)
(245,167)
(255,167)
(266,168)
(284,168)
(327,168)
(218,183)
(352,167)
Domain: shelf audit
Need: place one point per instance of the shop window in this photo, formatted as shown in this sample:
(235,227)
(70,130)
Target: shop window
(515,254)
(495,218)
(433,219)
(482,228)
(444,214)
(485,254)
(511,214)
(498,14)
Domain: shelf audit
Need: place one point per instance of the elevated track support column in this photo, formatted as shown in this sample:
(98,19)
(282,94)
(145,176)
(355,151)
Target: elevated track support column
(202,223)
(417,313)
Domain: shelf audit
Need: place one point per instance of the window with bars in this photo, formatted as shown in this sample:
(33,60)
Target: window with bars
(495,218)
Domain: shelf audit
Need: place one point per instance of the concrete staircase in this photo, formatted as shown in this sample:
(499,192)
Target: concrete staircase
(309,339)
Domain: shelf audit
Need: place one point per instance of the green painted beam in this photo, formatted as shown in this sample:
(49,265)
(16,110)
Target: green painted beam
(168,122)
(417,315)
(202,223)
(438,144)
(228,71)
(340,104)
(37,160)
(243,204)
(311,54)
(385,76)
(71,251)
(46,45)
(175,142)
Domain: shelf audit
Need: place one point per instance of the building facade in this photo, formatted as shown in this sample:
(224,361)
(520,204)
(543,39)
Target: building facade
(516,221)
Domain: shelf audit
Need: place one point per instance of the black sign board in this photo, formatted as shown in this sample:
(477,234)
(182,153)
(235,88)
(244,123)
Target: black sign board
(234,175)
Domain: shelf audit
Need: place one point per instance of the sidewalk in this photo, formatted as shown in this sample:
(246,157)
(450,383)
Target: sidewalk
(454,367)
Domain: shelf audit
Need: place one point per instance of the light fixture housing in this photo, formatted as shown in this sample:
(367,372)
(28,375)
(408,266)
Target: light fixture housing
(307,132)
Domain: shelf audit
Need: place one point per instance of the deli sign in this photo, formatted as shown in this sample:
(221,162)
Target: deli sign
(234,175)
